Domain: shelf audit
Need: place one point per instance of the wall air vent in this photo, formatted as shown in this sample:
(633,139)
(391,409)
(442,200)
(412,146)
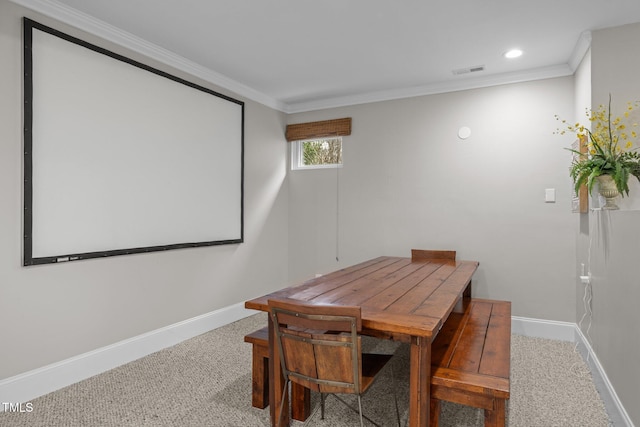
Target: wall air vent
(467,70)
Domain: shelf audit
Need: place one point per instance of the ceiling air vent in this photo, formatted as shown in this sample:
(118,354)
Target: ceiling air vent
(468,70)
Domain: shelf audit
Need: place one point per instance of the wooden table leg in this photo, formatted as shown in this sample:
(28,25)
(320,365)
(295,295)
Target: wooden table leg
(461,305)
(419,382)
(497,416)
(467,291)
(276,382)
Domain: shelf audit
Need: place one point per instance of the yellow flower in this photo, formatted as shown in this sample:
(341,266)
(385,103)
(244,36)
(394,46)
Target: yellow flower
(611,148)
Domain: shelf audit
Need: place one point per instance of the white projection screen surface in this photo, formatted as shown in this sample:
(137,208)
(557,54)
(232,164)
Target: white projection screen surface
(121,158)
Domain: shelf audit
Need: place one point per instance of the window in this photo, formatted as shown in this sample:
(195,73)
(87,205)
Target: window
(316,153)
(316,145)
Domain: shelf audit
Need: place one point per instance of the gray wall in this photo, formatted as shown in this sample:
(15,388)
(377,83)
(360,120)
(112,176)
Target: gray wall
(52,312)
(409,182)
(613,238)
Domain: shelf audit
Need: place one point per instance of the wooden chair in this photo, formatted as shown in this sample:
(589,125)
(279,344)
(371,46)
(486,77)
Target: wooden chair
(301,408)
(325,362)
(429,254)
(425,254)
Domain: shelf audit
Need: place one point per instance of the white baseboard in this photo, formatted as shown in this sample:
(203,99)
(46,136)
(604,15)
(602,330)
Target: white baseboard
(562,331)
(617,413)
(565,331)
(32,384)
(29,385)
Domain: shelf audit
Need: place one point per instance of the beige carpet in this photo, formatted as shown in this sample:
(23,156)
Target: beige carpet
(206,381)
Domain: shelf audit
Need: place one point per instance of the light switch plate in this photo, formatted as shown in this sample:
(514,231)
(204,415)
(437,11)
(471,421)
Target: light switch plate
(550,195)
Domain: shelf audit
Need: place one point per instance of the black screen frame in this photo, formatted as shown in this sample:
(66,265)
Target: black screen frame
(28,257)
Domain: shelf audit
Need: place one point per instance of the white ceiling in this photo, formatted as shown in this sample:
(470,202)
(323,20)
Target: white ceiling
(299,55)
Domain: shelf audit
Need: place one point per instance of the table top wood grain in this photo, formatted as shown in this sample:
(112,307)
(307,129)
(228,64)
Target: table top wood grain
(397,295)
(406,299)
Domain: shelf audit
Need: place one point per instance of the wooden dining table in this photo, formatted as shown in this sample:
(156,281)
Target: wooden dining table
(404,299)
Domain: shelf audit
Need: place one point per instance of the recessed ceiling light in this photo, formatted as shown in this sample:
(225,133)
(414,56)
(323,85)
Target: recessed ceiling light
(513,53)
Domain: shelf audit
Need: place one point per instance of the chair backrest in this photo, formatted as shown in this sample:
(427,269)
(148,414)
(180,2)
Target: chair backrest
(319,345)
(423,254)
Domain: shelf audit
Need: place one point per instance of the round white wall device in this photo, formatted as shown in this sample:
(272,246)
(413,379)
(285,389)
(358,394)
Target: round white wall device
(464,132)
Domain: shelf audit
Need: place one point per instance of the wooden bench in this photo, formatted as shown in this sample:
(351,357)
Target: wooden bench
(259,367)
(471,360)
(300,396)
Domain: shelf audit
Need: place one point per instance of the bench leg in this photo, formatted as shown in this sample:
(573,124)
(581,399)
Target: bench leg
(496,417)
(300,396)
(260,377)
(434,414)
(300,402)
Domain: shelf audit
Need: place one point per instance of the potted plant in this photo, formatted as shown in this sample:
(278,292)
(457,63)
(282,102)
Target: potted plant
(611,157)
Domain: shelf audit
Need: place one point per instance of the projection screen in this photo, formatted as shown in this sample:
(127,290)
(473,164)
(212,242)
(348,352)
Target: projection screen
(121,158)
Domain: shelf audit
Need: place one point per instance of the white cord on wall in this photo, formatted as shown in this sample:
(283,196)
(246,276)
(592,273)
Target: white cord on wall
(587,300)
(338,213)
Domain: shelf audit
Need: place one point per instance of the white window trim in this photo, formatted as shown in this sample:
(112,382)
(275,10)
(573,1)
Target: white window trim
(296,156)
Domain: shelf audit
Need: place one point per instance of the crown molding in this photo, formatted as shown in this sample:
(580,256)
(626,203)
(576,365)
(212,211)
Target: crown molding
(67,15)
(580,50)
(89,24)
(432,89)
